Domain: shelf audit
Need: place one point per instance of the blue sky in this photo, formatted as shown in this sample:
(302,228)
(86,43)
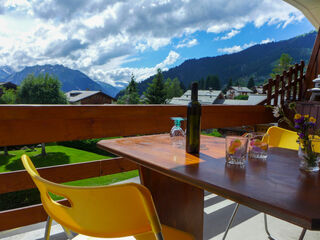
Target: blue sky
(110,39)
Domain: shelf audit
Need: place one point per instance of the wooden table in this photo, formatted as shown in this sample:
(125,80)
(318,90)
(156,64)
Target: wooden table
(177,181)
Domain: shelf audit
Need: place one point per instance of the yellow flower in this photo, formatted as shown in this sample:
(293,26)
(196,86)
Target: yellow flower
(306,116)
(313,120)
(297,116)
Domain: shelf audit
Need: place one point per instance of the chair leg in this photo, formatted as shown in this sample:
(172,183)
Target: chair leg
(302,234)
(230,221)
(266,227)
(67,232)
(48,228)
(159,236)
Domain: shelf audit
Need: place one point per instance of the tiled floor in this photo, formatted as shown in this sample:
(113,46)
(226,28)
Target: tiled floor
(248,225)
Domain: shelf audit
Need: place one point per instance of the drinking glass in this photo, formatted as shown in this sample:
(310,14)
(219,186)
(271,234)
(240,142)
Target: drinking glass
(258,145)
(236,150)
(177,134)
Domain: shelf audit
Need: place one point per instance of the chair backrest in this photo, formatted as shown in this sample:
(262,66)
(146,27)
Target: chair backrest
(283,138)
(106,211)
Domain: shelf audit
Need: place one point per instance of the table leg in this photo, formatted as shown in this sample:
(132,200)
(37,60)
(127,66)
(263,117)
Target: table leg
(179,205)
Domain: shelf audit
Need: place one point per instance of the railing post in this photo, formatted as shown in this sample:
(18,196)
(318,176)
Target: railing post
(289,84)
(269,91)
(301,81)
(295,81)
(283,87)
(276,90)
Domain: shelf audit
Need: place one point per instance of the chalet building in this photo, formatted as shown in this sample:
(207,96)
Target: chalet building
(7,85)
(204,97)
(253,99)
(236,91)
(88,97)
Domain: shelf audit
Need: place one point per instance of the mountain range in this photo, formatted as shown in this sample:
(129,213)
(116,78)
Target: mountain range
(70,79)
(256,61)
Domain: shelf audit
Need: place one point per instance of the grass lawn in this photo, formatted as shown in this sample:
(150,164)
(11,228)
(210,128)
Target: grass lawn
(56,155)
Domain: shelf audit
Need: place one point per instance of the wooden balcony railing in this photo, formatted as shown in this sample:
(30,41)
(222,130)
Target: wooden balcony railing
(285,87)
(23,124)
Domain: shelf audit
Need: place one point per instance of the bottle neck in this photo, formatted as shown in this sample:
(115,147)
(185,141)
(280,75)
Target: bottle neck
(194,92)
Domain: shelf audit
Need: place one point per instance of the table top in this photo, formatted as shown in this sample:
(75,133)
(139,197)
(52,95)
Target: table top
(275,186)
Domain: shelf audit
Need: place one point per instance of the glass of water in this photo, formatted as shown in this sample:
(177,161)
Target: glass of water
(258,145)
(236,150)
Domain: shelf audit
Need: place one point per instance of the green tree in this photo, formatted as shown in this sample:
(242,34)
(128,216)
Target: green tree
(9,96)
(251,83)
(155,93)
(168,88)
(131,95)
(41,89)
(283,64)
(242,97)
(173,88)
(212,82)
(202,84)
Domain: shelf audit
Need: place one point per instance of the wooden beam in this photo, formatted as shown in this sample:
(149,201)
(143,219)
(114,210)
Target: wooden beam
(24,216)
(221,116)
(20,180)
(313,69)
(30,124)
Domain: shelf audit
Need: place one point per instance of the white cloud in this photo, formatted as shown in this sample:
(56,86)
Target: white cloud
(187,43)
(116,75)
(170,59)
(268,40)
(236,48)
(229,35)
(104,34)
(229,50)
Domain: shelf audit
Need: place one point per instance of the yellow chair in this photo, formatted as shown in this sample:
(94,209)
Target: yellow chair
(282,138)
(105,211)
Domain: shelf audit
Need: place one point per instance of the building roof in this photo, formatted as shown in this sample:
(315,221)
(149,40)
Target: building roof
(252,100)
(8,84)
(204,97)
(241,89)
(77,95)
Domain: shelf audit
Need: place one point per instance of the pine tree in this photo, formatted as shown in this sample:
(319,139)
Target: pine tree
(229,85)
(212,82)
(251,83)
(202,84)
(283,64)
(173,88)
(131,95)
(155,93)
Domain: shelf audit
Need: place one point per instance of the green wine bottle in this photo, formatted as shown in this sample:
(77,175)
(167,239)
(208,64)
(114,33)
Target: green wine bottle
(193,122)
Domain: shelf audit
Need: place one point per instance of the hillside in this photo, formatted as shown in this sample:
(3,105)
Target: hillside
(256,61)
(70,79)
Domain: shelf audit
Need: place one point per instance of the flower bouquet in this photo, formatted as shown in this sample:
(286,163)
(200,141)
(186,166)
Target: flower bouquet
(307,136)
(307,152)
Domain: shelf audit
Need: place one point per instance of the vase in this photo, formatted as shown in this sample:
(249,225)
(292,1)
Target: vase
(309,158)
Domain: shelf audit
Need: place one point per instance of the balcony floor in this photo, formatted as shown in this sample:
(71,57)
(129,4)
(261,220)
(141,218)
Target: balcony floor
(248,224)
